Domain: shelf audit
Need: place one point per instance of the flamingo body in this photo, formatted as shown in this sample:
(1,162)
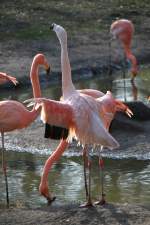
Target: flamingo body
(14,115)
(91,92)
(81,116)
(81,113)
(123,30)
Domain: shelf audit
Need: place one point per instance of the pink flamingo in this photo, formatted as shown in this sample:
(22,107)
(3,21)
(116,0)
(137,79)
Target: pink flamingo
(14,115)
(79,113)
(123,30)
(5,77)
(66,78)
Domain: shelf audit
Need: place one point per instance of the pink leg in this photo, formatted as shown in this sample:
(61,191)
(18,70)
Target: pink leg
(102,201)
(87,187)
(85,162)
(43,188)
(4,167)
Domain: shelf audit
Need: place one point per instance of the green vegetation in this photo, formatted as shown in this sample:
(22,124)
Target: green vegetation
(30,19)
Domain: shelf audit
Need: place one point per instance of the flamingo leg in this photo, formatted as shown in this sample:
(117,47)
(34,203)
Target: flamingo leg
(85,176)
(123,70)
(89,167)
(124,77)
(87,161)
(102,200)
(4,167)
(109,57)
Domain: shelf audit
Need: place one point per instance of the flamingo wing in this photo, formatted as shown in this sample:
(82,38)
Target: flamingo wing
(54,112)
(89,126)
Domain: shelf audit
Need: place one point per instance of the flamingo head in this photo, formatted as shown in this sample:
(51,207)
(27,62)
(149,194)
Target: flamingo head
(40,59)
(60,32)
(48,70)
(121,107)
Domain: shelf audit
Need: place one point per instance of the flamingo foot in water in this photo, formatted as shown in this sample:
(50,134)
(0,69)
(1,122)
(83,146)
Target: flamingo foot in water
(102,201)
(86,204)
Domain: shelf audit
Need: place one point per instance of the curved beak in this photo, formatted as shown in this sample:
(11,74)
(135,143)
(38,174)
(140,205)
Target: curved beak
(52,26)
(48,70)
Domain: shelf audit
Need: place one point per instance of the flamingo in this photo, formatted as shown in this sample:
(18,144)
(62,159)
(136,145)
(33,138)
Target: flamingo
(123,30)
(60,114)
(95,94)
(78,112)
(5,77)
(14,115)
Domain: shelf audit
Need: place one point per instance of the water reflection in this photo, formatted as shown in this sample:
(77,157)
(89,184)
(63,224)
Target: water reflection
(134,90)
(125,180)
(126,90)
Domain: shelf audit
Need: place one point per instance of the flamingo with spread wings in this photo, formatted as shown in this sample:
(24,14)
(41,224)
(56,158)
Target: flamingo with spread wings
(14,115)
(123,30)
(79,113)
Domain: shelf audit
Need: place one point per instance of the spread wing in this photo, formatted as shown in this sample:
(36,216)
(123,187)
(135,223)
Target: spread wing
(54,112)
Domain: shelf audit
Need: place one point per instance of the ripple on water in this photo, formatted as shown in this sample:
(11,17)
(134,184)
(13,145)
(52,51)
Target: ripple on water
(75,151)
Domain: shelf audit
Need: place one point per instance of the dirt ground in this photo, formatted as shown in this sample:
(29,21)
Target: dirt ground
(24,34)
(113,214)
(24,28)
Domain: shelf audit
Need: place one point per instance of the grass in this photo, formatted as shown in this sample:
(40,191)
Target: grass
(30,19)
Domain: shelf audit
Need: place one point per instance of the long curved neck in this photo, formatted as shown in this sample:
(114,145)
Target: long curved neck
(53,158)
(132,58)
(67,85)
(34,76)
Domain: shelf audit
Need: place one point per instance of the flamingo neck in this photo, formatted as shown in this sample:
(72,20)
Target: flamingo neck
(53,158)
(132,58)
(67,85)
(35,79)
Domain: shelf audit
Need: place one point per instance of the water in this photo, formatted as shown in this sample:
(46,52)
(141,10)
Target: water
(126,180)
(122,89)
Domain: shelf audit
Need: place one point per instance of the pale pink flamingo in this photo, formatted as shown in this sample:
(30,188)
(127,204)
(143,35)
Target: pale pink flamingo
(4,77)
(14,115)
(123,30)
(66,78)
(78,112)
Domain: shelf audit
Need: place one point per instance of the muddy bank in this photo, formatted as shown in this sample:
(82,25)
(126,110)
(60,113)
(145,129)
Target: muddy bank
(24,34)
(114,214)
(97,66)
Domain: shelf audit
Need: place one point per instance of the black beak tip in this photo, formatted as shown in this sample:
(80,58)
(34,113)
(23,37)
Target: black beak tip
(52,26)
(48,70)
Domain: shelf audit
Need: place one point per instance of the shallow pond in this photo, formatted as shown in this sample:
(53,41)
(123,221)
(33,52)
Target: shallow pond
(122,89)
(126,180)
